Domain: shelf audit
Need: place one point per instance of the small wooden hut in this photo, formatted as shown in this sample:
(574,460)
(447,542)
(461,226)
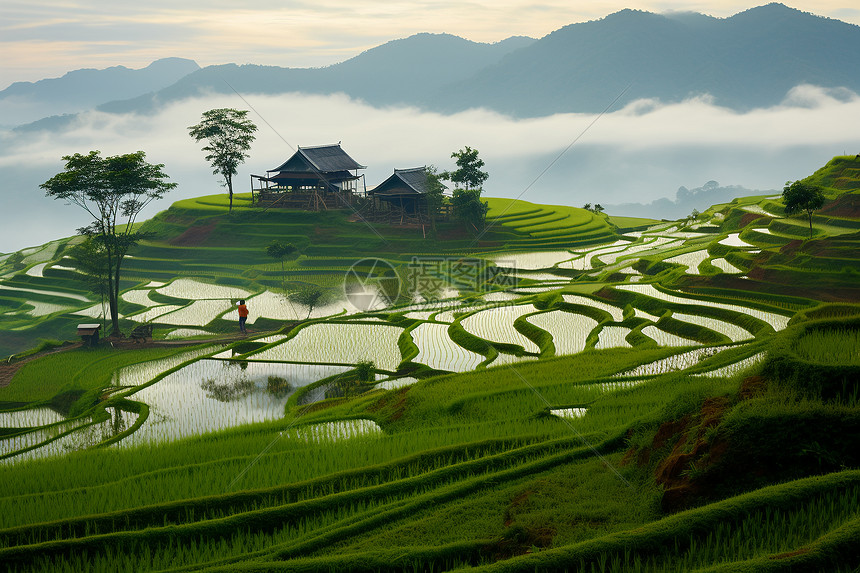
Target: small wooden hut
(401,199)
(313,178)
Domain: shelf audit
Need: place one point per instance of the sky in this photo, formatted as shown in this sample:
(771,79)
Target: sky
(48,38)
(639,153)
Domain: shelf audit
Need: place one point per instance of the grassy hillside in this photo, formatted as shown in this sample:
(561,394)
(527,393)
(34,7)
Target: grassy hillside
(684,396)
(199,238)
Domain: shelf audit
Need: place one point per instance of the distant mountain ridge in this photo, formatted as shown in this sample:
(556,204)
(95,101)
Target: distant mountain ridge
(685,201)
(85,89)
(398,72)
(749,60)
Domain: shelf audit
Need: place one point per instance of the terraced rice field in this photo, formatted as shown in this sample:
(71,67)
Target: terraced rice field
(339,343)
(138,296)
(51,293)
(145,316)
(438,351)
(777,321)
(569,331)
(210,395)
(196,290)
(725,266)
(496,324)
(673,363)
(734,332)
(198,313)
(534,260)
(733,240)
(663,338)
(690,260)
(272,452)
(616,313)
(613,337)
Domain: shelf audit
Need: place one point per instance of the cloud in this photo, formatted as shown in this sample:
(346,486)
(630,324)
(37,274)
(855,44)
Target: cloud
(639,153)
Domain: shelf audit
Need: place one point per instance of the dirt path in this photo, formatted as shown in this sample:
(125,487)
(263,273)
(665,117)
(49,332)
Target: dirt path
(8,369)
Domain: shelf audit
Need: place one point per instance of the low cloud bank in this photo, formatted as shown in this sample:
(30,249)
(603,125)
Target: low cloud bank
(640,153)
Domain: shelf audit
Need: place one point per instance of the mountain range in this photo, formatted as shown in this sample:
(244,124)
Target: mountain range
(746,61)
(85,89)
(686,200)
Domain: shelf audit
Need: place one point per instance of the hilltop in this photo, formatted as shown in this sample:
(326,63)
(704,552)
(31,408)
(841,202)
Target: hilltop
(198,237)
(632,396)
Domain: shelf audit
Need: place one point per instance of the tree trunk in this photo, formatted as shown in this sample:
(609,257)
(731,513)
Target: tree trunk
(809,213)
(112,281)
(114,300)
(114,312)
(230,190)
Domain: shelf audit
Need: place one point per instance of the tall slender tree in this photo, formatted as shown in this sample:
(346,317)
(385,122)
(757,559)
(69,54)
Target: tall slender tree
(90,258)
(229,134)
(113,190)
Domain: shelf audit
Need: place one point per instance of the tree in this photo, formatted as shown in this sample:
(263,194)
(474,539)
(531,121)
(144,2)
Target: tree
(229,135)
(113,190)
(310,296)
(587,207)
(800,196)
(598,208)
(469,208)
(280,251)
(90,258)
(435,195)
(466,200)
(365,371)
(468,170)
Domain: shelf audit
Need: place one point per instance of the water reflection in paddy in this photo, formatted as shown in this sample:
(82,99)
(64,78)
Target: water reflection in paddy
(212,395)
(86,435)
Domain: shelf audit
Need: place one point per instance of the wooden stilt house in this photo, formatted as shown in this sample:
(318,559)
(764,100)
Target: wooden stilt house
(401,199)
(313,178)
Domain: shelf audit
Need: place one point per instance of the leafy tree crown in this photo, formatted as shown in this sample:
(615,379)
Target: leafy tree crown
(229,134)
(468,170)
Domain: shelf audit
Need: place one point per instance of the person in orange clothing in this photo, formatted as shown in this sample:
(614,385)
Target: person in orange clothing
(243,316)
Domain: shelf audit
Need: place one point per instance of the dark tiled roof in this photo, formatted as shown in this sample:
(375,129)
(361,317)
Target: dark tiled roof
(323,158)
(404,182)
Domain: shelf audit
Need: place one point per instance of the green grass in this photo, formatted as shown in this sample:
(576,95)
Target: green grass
(433,487)
(73,371)
(631,223)
(831,346)
(472,470)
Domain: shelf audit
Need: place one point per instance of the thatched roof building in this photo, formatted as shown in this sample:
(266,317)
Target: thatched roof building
(403,193)
(309,176)
(326,167)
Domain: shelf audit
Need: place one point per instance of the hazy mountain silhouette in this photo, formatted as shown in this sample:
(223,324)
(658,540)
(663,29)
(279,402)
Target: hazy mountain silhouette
(685,201)
(749,60)
(398,72)
(84,89)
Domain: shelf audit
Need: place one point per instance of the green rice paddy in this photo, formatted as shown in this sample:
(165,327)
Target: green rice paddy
(578,393)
